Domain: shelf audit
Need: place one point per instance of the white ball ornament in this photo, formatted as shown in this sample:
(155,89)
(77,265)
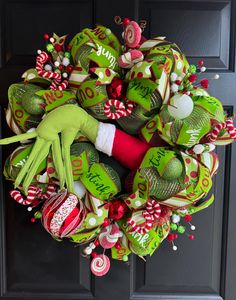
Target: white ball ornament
(65,75)
(193,227)
(65,61)
(175,248)
(48,67)
(175,218)
(203,69)
(174,88)
(198,149)
(88,250)
(52,40)
(56,63)
(39,52)
(216,76)
(173,76)
(181,106)
(29,208)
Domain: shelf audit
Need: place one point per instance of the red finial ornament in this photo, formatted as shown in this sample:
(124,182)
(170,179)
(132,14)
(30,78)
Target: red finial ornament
(191,237)
(126,21)
(200,63)
(46,36)
(188,218)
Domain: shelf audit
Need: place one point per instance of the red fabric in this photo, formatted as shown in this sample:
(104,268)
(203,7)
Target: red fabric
(128,150)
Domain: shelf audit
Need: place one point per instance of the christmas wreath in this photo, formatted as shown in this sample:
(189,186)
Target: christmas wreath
(141,103)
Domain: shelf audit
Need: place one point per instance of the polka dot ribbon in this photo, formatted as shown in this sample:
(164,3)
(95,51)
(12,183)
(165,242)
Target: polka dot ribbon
(119,109)
(152,213)
(33,193)
(228,124)
(56,84)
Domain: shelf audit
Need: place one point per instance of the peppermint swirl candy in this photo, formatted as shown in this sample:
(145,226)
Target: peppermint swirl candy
(100,265)
(132,34)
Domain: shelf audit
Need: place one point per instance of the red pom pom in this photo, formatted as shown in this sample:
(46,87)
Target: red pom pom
(171,237)
(192,78)
(117,209)
(96,243)
(106,222)
(204,83)
(191,237)
(200,63)
(126,21)
(46,36)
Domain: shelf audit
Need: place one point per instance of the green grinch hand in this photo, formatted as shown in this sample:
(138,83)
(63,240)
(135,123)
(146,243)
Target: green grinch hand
(56,131)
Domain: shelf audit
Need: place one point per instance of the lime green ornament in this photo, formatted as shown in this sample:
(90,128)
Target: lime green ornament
(181,229)
(67,54)
(173,226)
(50,48)
(37,215)
(125,258)
(192,69)
(173,170)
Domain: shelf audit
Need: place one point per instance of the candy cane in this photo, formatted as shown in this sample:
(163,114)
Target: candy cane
(230,128)
(40,61)
(119,109)
(151,214)
(215,132)
(51,189)
(56,85)
(129,108)
(32,192)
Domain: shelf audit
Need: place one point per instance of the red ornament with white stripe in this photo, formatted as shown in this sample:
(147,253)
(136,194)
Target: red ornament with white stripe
(63,214)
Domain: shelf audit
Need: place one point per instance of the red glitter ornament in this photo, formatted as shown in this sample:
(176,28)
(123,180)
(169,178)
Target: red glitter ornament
(192,78)
(117,209)
(126,21)
(204,83)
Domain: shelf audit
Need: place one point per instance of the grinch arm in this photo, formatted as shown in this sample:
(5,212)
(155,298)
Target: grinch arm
(126,149)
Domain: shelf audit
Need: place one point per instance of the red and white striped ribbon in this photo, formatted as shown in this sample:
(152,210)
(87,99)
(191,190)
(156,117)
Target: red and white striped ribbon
(152,213)
(129,108)
(57,85)
(33,193)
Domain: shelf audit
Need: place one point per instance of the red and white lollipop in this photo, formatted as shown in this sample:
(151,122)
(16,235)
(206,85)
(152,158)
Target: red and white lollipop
(100,265)
(132,34)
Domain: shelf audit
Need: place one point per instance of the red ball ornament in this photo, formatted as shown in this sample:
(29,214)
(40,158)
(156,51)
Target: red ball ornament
(96,243)
(178,82)
(188,218)
(63,214)
(171,237)
(94,254)
(69,68)
(117,209)
(126,21)
(118,246)
(200,63)
(192,78)
(33,220)
(106,222)
(204,83)
(46,36)
(191,237)
(58,47)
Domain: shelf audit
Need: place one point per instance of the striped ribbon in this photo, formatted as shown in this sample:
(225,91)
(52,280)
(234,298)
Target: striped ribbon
(152,213)
(119,107)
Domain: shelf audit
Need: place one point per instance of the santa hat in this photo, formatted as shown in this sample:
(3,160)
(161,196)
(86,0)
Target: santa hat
(128,150)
